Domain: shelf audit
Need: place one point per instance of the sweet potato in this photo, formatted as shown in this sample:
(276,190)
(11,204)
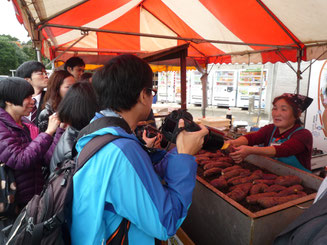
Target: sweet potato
(242,175)
(237,194)
(275,188)
(264,181)
(244,187)
(201,160)
(211,171)
(248,179)
(288,180)
(217,165)
(225,159)
(230,169)
(268,202)
(207,154)
(235,172)
(269,176)
(252,199)
(258,172)
(219,183)
(294,189)
(258,188)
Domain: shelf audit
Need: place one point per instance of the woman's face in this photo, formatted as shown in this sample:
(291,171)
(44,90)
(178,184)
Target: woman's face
(67,83)
(282,114)
(23,110)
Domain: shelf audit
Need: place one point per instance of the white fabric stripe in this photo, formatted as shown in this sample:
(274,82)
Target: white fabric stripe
(98,23)
(90,41)
(305,19)
(246,58)
(150,24)
(203,22)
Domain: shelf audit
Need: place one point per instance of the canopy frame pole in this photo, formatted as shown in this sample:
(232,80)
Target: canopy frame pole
(42,22)
(183,78)
(281,25)
(286,61)
(311,62)
(67,49)
(194,40)
(298,72)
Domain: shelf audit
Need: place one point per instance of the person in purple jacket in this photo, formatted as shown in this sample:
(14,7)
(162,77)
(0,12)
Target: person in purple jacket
(22,148)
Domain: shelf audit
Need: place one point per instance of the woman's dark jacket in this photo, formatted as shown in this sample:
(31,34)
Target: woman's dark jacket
(26,156)
(43,118)
(64,147)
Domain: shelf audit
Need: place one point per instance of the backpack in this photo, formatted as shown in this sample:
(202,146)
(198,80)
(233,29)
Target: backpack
(45,218)
(7,192)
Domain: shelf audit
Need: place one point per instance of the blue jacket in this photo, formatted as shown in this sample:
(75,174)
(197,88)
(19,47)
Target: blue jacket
(120,181)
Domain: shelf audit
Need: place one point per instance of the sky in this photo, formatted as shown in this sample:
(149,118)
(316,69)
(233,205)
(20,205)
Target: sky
(9,23)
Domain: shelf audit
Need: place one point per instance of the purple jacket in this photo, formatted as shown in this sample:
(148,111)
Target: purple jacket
(26,156)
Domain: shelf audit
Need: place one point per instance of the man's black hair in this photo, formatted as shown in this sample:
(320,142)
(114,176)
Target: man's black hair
(119,83)
(74,61)
(78,106)
(14,90)
(26,69)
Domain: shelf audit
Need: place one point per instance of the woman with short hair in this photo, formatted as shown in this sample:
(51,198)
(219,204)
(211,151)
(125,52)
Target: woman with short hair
(22,148)
(285,139)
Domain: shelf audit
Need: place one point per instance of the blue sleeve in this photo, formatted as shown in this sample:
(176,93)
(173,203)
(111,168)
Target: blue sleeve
(155,208)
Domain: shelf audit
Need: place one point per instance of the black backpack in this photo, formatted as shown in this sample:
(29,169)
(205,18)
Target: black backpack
(45,218)
(7,192)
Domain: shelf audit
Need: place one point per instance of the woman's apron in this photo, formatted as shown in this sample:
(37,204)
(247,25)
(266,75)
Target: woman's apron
(291,160)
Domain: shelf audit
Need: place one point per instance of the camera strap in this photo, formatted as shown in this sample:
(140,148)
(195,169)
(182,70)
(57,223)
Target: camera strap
(176,132)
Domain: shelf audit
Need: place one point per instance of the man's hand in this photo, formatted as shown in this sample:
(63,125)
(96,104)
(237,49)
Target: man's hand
(190,142)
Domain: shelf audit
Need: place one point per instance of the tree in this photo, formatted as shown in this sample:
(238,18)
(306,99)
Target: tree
(8,55)
(13,53)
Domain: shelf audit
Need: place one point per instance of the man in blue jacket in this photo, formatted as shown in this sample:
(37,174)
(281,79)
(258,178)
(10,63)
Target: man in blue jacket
(120,181)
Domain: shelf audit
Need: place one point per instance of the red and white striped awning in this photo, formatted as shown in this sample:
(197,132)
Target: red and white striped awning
(219,31)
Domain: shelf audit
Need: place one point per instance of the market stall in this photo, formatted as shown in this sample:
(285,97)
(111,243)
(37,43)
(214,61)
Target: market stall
(249,31)
(214,216)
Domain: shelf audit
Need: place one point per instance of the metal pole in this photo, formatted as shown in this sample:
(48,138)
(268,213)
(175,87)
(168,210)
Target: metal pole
(195,40)
(183,79)
(298,72)
(260,94)
(204,81)
(38,55)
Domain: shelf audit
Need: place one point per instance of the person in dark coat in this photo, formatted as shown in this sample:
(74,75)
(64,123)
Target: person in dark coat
(34,72)
(58,85)
(22,148)
(76,109)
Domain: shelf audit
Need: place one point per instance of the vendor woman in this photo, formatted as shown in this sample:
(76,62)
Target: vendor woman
(285,140)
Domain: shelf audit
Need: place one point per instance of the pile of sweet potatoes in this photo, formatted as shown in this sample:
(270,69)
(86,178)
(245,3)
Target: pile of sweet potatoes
(243,184)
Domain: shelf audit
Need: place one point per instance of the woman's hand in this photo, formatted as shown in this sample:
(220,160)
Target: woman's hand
(240,153)
(53,124)
(190,142)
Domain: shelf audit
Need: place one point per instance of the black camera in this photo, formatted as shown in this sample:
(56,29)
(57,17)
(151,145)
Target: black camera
(212,141)
(153,132)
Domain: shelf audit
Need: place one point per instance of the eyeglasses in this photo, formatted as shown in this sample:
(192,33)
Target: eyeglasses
(40,73)
(153,91)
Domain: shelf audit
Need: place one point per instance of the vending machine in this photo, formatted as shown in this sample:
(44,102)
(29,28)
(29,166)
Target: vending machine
(177,87)
(196,88)
(250,83)
(162,87)
(224,88)
(166,86)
